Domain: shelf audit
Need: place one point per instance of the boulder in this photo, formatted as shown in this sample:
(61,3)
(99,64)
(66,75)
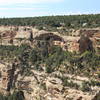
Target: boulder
(54,83)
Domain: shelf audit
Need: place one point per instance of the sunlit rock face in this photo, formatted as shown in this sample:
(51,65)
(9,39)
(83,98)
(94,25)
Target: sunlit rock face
(7,79)
(74,42)
(96,42)
(3,80)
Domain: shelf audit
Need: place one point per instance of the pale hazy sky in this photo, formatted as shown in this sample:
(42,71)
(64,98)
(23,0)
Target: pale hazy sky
(30,8)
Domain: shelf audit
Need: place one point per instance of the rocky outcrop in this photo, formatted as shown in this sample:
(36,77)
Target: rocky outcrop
(96,42)
(41,85)
(85,44)
(23,34)
(53,83)
(7,76)
(11,75)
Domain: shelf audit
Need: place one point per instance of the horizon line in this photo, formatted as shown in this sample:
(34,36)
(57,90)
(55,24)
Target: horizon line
(52,15)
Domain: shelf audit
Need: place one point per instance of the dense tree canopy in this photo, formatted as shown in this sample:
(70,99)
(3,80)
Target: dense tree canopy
(71,21)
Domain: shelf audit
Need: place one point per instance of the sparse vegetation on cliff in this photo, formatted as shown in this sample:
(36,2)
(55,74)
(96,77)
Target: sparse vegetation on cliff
(87,62)
(45,64)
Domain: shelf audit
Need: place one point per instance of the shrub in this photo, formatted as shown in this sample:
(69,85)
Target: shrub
(85,87)
(17,95)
